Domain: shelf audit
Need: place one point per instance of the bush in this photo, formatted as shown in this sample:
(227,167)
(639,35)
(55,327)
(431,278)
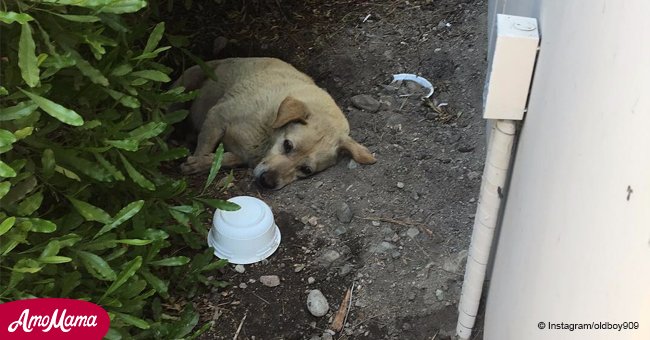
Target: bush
(85,210)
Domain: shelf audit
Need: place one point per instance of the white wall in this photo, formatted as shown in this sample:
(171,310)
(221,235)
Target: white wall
(572,247)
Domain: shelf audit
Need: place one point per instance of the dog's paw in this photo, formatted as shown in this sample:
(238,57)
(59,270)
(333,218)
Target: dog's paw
(195,165)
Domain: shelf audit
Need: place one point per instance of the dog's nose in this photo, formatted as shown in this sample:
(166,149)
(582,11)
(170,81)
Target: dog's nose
(267,180)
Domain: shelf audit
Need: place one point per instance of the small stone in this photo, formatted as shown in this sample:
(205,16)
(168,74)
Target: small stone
(243,285)
(454,263)
(413,232)
(318,184)
(466,148)
(346,269)
(311,280)
(365,102)
(472,200)
(400,185)
(298,268)
(411,296)
(326,336)
(304,219)
(340,231)
(440,295)
(313,220)
(431,116)
(328,257)
(353,165)
(240,269)
(317,303)
(383,247)
(344,213)
(395,255)
(472,175)
(376,223)
(270,280)
(406,326)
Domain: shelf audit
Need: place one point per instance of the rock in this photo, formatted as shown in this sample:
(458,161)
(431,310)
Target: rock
(387,103)
(318,184)
(344,213)
(412,232)
(311,280)
(411,296)
(440,295)
(466,148)
(365,102)
(328,257)
(340,231)
(353,165)
(298,268)
(382,248)
(240,269)
(243,285)
(313,220)
(317,303)
(346,269)
(376,223)
(326,336)
(270,280)
(472,175)
(396,255)
(454,263)
(431,115)
(400,185)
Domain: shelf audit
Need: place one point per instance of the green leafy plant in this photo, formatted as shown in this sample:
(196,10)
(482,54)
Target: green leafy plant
(85,210)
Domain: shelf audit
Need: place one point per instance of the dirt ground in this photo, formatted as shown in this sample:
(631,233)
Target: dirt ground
(403,251)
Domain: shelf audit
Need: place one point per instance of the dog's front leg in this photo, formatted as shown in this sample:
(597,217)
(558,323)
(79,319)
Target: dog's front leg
(211,133)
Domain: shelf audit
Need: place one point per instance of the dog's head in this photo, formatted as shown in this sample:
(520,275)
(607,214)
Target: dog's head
(306,141)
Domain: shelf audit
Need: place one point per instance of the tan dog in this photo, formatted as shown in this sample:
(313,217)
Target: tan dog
(269,116)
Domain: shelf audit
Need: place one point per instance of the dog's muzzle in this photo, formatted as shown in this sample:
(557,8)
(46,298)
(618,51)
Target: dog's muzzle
(267,180)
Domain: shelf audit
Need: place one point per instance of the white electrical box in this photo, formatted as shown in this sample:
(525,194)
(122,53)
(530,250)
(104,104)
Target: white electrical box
(511,70)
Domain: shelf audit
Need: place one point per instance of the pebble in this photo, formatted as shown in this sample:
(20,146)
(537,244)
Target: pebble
(311,280)
(318,184)
(396,254)
(376,223)
(270,280)
(317,303)
(472,175)
(383,247)
(298,268)
(400,185)
(326,336)
(455,262)
(243,285)
(313,220)
(328,257)
(353,165)
(346,269)
(240,269)
(440,295)
(365,102)
(413,232)
(466,148)
(344,213)
(340,231)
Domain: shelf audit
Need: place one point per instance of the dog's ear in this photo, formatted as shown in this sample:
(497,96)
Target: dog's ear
(291,110)
(359,153)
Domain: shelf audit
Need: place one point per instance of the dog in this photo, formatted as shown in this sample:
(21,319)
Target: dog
(270,117)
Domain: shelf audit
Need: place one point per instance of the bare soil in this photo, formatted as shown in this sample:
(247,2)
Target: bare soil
(413,209)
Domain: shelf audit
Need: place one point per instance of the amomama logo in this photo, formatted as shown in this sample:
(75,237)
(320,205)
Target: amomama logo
(52,318)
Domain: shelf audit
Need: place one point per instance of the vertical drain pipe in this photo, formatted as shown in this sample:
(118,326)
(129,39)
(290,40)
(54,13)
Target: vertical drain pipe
(497,162)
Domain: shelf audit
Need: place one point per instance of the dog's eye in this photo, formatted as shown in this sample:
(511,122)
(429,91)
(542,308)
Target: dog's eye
(288,146)
(306,170)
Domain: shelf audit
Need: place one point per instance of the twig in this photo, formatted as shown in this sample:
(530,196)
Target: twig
(435,335)
(259,297)
(349,306)
(240,326)
(342,313)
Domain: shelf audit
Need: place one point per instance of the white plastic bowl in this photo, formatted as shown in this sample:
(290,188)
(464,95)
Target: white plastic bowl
(247,235)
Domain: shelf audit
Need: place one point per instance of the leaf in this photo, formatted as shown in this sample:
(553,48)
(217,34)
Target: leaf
(30,204)
(154,38)
(6,225)
(122,70)
(41,226)
(18,111)
(67,173)
(27,61)
(4,188)
(11,17)
(105,6)
(6,170)
(52,248)
(117,174)
(54,259)
(207,70)
(90,212)
(180,217)
(134,242)
(27,266)
(24,132)
(136,176)
(132,320)
(77,18)
(3,91)
(122,216)
(48,163)
(157,283)
(96,266)
(87,69)
(153,54)
(124,99)
(219,204)
(152,75)
(125,144)
(6,138)
(55,110)
(147,131)
(171,261)
(216,165)
(129,269)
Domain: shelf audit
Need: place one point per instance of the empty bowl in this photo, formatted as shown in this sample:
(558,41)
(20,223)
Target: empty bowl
(247,235)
